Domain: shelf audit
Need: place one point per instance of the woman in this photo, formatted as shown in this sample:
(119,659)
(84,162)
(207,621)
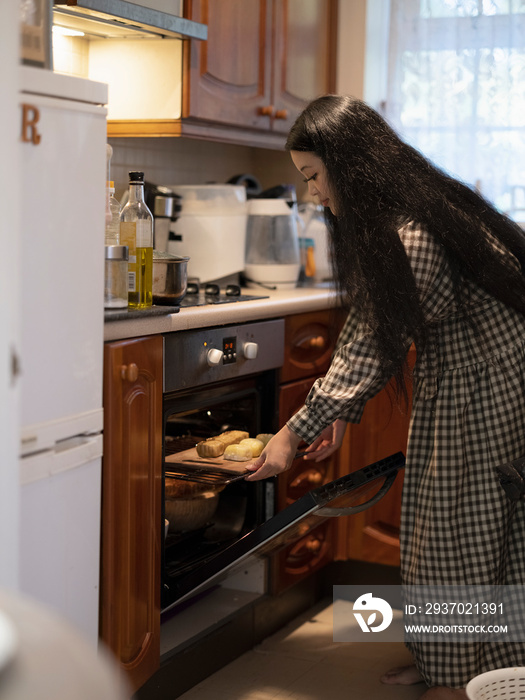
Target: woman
(423,259)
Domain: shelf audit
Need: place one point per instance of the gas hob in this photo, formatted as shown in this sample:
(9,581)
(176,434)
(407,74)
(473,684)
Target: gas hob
(211,293)
(196,295)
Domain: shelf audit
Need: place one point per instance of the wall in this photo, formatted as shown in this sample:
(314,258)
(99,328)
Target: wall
(351,42)
(178,161)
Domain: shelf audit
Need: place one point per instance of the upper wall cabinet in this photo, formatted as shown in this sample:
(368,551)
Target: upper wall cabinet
(262,62)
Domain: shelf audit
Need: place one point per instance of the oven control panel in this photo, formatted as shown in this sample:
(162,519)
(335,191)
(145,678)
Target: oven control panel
(228,354)
(229,350)
(202,356)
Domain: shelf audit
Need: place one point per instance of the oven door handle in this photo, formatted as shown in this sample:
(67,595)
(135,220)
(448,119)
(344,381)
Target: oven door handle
(351,510)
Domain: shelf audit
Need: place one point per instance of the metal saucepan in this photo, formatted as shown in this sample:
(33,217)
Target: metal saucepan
(170,278)
(192,513)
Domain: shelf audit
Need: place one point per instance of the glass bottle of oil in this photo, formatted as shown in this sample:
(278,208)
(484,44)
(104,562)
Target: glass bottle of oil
(136,231)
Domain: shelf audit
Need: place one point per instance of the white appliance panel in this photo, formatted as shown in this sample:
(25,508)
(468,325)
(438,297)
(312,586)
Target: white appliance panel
(62,261)
(59,541)
(63,172)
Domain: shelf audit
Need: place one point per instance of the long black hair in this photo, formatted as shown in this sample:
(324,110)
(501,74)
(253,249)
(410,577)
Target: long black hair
(379,183)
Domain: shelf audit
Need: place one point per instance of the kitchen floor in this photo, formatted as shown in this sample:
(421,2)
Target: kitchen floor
(301,662)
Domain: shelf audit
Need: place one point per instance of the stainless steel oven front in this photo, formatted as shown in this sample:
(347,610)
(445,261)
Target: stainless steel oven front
(217,379)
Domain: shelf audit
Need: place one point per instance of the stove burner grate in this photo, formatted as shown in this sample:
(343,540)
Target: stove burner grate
(211,293)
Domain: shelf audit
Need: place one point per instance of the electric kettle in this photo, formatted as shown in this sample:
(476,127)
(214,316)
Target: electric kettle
(272,245)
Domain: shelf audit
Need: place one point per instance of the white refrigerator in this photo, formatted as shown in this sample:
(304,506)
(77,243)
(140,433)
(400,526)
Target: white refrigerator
(63,172)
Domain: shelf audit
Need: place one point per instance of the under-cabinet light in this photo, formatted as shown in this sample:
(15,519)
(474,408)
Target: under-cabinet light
(66,31)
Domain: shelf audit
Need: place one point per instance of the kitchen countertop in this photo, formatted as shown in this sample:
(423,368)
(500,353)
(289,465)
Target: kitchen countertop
(276,304)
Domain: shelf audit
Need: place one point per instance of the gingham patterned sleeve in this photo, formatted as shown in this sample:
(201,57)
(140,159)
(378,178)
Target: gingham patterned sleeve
(353,378)
(355,374)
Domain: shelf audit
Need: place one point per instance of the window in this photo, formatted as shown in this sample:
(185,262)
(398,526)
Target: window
(456,90)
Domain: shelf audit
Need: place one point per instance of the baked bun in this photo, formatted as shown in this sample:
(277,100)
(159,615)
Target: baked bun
(256,446)
(238,453)
(264,438)
(231,437)
(210,448)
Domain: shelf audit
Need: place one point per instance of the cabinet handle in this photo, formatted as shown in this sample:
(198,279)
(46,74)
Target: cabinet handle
(311,477)
(281,114)
(303,529)
(129,372)
(316,341)
(313,545)
(266,111)
(383,532)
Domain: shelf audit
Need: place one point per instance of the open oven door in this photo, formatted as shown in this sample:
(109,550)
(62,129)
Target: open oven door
(347,495)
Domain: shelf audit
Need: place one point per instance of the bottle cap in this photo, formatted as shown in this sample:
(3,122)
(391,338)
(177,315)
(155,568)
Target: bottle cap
(117,252)
(136,176)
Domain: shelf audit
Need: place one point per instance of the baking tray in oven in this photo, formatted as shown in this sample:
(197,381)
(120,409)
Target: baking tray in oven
(190,460)
(188,466)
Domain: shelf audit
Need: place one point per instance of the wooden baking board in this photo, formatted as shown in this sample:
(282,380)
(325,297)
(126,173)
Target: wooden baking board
(227,465)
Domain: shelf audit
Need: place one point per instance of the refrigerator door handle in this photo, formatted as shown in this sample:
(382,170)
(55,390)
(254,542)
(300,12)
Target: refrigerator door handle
(66,454)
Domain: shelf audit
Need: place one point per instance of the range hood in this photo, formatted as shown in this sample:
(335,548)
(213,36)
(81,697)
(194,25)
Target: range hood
(118,19)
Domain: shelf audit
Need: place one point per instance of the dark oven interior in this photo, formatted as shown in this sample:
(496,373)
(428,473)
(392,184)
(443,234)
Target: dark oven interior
(248,404)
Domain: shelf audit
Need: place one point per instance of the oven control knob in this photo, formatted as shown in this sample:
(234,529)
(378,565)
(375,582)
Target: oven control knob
(214,357)
(250,350)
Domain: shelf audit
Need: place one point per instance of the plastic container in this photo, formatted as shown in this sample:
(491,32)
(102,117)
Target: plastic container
(315,228)
(211,229)
(501,684)
(116,277)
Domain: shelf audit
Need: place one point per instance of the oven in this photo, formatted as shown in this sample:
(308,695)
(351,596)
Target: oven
(224,379)
(215,380)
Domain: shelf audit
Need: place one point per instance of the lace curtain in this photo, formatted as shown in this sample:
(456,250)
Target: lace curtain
(456,90)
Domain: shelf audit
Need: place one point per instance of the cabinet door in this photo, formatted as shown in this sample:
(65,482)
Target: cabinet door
(373,535)
(315,548)
(305,43)
(131,505)
(309,343)
(227,78)
(303,475)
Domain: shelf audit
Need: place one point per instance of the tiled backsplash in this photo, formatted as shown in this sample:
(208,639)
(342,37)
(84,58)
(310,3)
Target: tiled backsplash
(183,161)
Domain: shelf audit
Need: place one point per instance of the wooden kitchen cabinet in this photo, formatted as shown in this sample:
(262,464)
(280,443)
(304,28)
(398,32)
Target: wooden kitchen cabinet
(315,548)
(263,61)
(373,535)
(309,343)
(131,505)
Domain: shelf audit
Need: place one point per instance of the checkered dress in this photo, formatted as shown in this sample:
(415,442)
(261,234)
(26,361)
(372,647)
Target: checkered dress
(468,415)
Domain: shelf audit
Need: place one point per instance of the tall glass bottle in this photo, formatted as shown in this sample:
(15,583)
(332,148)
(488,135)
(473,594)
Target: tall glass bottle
(112,215)
(136,231)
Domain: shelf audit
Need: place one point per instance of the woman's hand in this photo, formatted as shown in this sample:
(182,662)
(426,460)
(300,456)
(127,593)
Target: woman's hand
(276,457)
(328,442)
